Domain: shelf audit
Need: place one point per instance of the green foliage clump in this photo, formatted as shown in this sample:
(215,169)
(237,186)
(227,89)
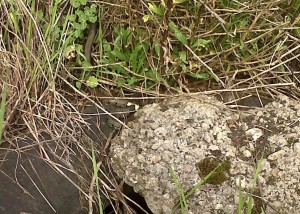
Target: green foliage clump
(81,17)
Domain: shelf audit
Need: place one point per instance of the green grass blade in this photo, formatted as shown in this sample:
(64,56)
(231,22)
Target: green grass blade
(182,198)
(198,185)
(2,111)
(250,205)
(258,168)
(95,168)
(242,199)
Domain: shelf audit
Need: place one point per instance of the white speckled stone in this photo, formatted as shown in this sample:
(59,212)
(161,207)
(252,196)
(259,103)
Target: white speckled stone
(297,148)
(276,155)
(182,131)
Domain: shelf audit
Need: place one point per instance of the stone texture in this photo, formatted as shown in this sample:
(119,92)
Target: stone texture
(192,135)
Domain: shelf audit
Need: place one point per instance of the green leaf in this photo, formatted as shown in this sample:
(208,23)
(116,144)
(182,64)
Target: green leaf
(119,69)
(83,2)
(77,26)
(201,43)
(146,18)
(78,3)
(201,76)
(75,3)
(78,34)
(141,62)
(90,13)
(181,38)
(157,10)
(125,36)
(79,13)
(121,82)
(250,204)
(93,19)
(72,18)
(118,54)
(93,8)
(40,14)
(296,4)
(178,1)
(180,190)
(136,57)
(132,81)
(154,75)
(173,26)
(92,82)
(2,110)
(107,49)
(178,34)
(78,84)
(242,44)
(182,55)
(86,65)
(157,47)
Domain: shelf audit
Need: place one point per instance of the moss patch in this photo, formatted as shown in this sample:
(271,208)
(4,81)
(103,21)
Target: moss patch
(297,190)
(209,164)
(291,141)
(259,204)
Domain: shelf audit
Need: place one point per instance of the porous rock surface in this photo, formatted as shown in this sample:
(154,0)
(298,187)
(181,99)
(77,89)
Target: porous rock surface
(181,133)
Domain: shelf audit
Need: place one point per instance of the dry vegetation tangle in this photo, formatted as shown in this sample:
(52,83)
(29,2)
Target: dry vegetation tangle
(247,47)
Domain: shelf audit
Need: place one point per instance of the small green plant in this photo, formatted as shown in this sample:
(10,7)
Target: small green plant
(182,198)
(80,20)
(128,58)
(247,200)
(82,17)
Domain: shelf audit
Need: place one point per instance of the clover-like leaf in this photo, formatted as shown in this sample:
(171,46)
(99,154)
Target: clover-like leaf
(72,17)
(92,82)
(78,34)
(93,8)
(93,19)
(83,2)
(75,3)
(78,3)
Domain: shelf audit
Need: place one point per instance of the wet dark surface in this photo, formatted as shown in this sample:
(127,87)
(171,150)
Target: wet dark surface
(29,184)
